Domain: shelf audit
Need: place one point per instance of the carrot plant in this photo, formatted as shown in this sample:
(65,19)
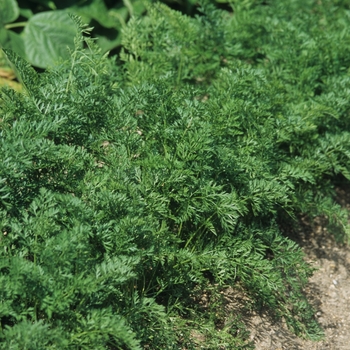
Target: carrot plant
(132,185)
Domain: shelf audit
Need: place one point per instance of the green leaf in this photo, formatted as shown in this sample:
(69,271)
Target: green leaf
(9,11)
(24,71)
(12,40)
(96,10)
(27,13)
(3,36)
(108,43)
(47,37)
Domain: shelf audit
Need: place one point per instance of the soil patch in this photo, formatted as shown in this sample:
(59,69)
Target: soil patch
(328,290)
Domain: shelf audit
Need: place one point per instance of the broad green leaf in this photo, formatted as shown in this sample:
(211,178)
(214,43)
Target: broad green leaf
(139,7)
(27,13)
(120,16)
(3,36)
(9,11)
(47,37)
(96,10)
(12,40)
(108,43)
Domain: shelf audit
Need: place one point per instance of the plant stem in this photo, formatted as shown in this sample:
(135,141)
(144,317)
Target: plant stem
(15,25)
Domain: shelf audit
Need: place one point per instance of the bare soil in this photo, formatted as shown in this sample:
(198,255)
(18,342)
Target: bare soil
(328,290)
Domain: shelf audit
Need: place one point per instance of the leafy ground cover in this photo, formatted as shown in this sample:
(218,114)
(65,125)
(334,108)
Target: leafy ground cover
(135,188)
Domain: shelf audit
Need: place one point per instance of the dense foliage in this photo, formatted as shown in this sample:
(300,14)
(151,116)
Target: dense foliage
(130,187)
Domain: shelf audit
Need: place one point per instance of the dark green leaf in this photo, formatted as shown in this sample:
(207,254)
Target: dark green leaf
(48,37)
(13,41)
(9,11)
(95,9)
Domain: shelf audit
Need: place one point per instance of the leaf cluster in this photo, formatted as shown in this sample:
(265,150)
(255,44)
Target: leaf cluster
(129,187)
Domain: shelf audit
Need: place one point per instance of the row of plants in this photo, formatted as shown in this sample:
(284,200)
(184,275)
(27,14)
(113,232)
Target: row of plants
(132,185)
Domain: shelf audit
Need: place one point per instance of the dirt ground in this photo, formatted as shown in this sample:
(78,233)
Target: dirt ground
(328,290)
